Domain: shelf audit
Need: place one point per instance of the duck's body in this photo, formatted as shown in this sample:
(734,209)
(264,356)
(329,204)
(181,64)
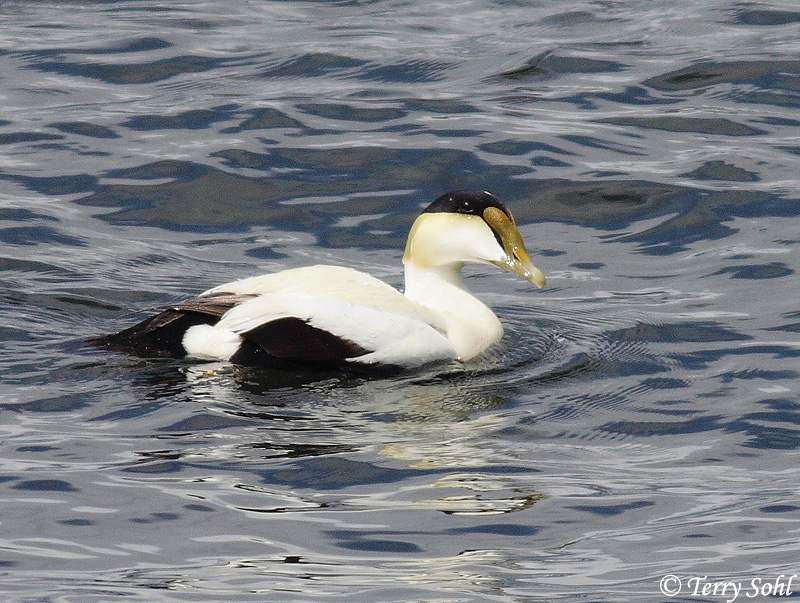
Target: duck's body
(335,317)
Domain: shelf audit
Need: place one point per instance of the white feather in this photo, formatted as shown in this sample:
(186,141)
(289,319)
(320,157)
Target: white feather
(398,338)
(209,342)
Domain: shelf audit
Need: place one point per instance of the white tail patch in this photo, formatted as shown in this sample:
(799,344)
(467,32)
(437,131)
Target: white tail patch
(210,343)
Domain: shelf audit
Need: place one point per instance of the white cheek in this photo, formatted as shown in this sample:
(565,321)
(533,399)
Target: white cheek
(487,248)
(474,242)
(441,239)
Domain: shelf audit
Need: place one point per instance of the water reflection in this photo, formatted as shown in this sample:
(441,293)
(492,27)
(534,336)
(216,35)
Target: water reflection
(427,434)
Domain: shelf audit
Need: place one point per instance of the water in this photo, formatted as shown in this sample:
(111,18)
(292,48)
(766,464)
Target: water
(640,419)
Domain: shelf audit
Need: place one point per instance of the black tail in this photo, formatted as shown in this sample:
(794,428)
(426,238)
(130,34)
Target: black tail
(161,336)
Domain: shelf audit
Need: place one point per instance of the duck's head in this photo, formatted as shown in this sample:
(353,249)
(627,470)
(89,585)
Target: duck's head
(469,226)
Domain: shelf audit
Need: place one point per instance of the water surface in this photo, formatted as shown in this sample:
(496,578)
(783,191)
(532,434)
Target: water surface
(640,417)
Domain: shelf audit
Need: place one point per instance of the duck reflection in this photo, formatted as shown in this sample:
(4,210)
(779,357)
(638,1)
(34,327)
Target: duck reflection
(429,436)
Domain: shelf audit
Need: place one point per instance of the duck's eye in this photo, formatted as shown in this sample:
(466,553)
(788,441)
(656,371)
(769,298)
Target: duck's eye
(466,207)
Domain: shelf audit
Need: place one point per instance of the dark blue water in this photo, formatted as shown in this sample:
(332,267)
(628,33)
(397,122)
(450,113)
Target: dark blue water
(640,419)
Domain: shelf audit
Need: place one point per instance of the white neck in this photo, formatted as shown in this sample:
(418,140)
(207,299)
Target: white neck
(471,326)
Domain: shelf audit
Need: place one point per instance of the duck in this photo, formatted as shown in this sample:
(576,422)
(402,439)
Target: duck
(327,317)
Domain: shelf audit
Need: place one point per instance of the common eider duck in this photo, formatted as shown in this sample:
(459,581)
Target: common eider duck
(332,317)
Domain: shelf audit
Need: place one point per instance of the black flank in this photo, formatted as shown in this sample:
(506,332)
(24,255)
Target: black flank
(291,342)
